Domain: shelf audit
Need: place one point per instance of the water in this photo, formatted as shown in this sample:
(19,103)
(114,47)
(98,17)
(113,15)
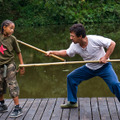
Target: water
(50,81)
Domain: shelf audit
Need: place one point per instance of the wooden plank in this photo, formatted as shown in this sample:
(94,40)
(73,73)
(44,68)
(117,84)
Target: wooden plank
(22,102)
(94,107)
(117,103)
(103,108)
(85,109)
(57,110)
(7,102)
(112,108)
(6,115)
(49,109)
(41,109)
(74,114)
(65,113)
(26,108)
(30,114)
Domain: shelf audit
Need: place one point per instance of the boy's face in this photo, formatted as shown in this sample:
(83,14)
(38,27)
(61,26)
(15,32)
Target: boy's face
(74,38)
(9,30)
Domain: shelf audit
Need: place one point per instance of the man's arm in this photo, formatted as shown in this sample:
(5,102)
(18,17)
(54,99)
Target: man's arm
(61,53)
(108,52)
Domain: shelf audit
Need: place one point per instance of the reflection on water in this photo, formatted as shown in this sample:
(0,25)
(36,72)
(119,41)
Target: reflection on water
(50,81)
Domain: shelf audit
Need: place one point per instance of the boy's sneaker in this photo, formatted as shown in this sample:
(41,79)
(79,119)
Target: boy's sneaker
(16,112)
(3,108)
(69,105)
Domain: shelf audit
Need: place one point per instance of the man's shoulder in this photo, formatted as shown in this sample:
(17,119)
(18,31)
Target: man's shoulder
(74,44)
(94,36)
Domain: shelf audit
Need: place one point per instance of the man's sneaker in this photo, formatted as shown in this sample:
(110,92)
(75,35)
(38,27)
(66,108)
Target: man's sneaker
(69,105)
(3,108)
(16,112)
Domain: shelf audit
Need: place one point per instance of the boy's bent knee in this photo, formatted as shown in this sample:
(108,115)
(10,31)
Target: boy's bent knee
(13,89)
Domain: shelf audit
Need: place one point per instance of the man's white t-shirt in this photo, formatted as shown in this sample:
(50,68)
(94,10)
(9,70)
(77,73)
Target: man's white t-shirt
(93,51)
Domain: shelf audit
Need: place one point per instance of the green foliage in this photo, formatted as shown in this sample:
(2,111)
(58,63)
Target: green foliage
(46,12)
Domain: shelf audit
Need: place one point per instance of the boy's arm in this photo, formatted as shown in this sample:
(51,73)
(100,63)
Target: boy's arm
(22,69)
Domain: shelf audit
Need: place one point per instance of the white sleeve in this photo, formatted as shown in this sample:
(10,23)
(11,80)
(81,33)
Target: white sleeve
(70,51)
(102,41)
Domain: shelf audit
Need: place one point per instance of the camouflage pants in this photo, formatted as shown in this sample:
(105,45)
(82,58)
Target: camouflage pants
(9,81)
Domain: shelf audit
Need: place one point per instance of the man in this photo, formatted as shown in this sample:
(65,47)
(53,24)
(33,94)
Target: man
(90,47)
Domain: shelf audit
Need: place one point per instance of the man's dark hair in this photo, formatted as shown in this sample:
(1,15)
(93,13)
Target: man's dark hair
(78,29)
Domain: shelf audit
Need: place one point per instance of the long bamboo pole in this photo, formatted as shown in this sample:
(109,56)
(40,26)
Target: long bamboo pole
(40,50)
(64,63)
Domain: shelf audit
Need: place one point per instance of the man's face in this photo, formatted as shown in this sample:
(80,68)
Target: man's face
(74,38)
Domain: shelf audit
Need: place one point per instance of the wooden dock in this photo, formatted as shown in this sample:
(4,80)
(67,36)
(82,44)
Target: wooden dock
(100,108)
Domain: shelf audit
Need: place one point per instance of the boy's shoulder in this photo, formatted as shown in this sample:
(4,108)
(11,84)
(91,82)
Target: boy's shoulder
(12,36)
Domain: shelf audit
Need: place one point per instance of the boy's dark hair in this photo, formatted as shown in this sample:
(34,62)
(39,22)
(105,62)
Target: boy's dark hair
(78,29)
(5,23)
